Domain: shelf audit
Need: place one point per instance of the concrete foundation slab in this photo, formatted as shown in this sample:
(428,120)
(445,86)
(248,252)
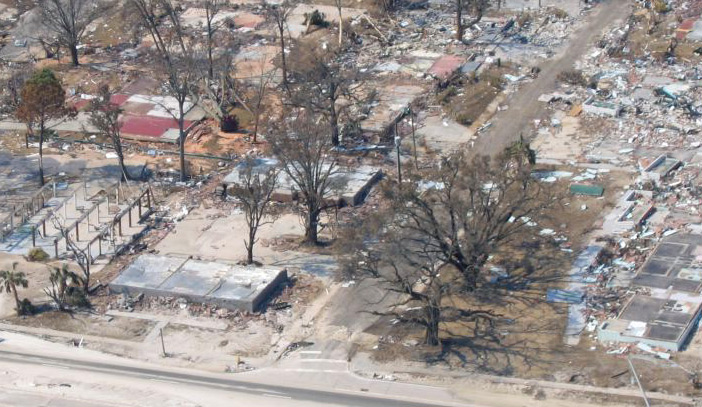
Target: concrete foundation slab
(226,285)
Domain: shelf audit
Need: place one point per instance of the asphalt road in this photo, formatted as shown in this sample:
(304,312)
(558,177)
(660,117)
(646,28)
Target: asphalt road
(230,385)
(523,105)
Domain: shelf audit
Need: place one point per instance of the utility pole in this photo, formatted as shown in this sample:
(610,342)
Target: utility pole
(633,372)
(414,136)
(163,346)
(399,164)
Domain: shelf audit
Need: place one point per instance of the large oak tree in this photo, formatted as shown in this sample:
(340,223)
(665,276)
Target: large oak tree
(434,237)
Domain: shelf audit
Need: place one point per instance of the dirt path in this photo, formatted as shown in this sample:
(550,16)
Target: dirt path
(523,105)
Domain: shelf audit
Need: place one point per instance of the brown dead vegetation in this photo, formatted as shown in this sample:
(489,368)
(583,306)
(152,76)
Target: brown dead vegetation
(467,97)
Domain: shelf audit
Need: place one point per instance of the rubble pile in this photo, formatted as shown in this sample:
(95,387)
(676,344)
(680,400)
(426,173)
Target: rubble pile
(636,112)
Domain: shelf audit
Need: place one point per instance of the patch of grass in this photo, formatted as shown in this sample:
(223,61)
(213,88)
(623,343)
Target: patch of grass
(559,13)
(212,144)
(467,97)
(572,77)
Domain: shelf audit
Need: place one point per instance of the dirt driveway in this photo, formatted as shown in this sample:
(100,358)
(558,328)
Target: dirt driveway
(523,105)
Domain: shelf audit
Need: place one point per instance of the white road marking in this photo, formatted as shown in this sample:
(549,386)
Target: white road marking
(52,365)
(276,396)
(164,381)
(313,370)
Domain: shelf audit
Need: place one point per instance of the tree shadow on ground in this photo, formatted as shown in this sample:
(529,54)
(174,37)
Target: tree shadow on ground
(526,333)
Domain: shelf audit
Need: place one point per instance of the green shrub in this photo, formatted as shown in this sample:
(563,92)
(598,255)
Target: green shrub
(573,77)
(446,95)
(76,297)
(661,6)
(38,254)
(317,18)
(27,308)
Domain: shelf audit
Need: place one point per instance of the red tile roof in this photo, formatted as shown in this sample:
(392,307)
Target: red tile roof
(148,125)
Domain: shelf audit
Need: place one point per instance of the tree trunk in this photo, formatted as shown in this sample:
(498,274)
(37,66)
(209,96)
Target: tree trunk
(249,254)
(117,145)
(210,71)
(210,62)
(181,140)
(249,249)
(333,116)
(125,173)
(433,312)
(86,274)
(18,304)
(41,155)
(334,125)
(256,120)
(253,228)
(74,54)
(459,20)
(470,272)
(312,224)
(281,30)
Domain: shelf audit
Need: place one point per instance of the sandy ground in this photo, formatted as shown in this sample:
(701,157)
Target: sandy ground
(218,234)
(36,273)
(564,143)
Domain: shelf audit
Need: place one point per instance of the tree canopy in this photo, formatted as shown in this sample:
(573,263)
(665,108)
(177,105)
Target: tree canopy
(43,100)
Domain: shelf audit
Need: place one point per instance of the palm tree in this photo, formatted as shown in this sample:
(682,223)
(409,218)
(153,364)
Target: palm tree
(9,281)
(61,279)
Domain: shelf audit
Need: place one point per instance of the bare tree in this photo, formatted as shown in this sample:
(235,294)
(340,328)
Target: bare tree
(212,8)
(480,205)
(221,93)
(411,269)
(104,116)
(439,230)
(254,191)
(79,256)
(307,157)
(68,19)
(259,95)
(476,7)
(175,57)
(321,82)
(13,85)
(280,13)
